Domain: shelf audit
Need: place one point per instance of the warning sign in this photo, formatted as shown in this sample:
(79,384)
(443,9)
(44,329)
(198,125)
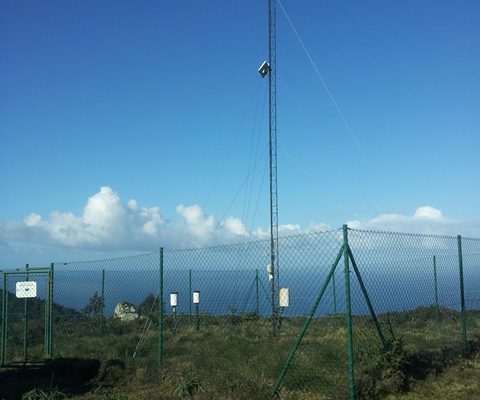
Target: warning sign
(26,289)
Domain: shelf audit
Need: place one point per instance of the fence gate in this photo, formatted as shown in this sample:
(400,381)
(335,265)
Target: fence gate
(26,316)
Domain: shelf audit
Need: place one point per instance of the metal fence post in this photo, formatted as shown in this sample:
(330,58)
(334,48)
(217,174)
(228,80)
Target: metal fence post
(197,326)
(102,305)
(50,313)
(334,295)
(25,324)
(256,299)
(348,315)
(437,310)
(189,295)
(4,320)
(462,292)
(160,311)
(46,319)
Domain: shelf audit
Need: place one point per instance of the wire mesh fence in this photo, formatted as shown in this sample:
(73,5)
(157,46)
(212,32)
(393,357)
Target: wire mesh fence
(112,298)
(359,312)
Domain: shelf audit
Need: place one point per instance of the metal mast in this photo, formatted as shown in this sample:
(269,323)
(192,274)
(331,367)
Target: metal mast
(272,89)
(269,68)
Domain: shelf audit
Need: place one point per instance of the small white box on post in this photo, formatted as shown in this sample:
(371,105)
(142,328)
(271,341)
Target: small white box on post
(196,297)
(283,297)
(174,299)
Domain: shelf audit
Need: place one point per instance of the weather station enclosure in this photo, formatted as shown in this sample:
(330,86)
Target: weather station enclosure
(26,314)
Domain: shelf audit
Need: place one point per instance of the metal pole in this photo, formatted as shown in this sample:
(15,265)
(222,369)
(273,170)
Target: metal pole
(45,319)
(334,295)
(198,317)
(190,293)
(437,311)
(174,320)
(273,153)
(462,292)
(25,324)
(256,299)
(348,315)
(4,320)
(102,305)
(50,313)
(45,323)
(160,312)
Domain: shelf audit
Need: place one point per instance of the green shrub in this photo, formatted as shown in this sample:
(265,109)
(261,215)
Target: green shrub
(189,387)
(37,394)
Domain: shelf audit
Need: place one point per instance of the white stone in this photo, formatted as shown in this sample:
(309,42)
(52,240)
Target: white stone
(126,312)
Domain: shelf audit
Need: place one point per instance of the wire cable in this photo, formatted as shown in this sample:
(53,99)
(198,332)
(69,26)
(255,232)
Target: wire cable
(327,89)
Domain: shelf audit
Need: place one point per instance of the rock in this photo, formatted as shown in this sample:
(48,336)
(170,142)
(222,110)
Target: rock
(126,312)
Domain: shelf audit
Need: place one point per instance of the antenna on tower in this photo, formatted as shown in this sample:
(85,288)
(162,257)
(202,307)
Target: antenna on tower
(269,68)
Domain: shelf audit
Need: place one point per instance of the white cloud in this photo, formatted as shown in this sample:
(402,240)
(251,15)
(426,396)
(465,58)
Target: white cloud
(425,219)
(106,222)
(236,226)
(429,213)
(196,222)
(32,220)
(109,224)
(318,227)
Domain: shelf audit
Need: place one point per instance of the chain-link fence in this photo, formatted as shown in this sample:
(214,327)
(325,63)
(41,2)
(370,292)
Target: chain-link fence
(354,313)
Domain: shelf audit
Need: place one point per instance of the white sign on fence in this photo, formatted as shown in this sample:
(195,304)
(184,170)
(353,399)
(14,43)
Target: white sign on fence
(26,289)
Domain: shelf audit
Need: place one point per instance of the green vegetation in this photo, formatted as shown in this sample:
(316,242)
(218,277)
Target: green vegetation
(37,394)
(235,357)
(94,306)
(458,382)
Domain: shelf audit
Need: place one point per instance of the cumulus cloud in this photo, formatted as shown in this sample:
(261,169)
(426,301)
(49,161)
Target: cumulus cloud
(425,219)
(106,222)
(428,213)
(197,223)
(109,224)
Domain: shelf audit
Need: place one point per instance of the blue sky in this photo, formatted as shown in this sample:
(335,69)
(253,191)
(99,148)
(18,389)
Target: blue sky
(161,102)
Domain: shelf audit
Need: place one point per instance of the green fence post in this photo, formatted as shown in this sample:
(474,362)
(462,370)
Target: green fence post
(102,305)
(462,292)
(348,315)
(256,299)
(45,318)
(437,310)
(25,324)
(197,326)
(50,313)
(160,312)
(334,295)
(4,320)
(189,295)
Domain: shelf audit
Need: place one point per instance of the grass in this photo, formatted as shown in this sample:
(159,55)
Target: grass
(458,382)
(235,357)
